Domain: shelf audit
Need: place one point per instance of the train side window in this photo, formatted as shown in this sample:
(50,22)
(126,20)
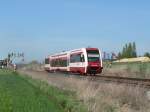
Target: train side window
(53,63)
(72,60)
(64,63)
(78,58)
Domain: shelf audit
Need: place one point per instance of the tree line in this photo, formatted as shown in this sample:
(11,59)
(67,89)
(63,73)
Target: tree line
(147,54)
(129,51)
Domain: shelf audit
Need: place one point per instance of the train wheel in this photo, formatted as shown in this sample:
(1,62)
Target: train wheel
(81,73)
(85,74)
(92,74)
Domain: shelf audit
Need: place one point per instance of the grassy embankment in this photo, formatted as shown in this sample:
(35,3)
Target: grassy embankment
(110,97)
(23,94)
(130,69)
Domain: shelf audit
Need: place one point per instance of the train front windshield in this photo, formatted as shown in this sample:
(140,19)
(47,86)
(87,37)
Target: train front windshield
(93,55)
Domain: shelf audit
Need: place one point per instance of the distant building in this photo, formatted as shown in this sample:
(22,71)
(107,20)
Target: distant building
(3,63)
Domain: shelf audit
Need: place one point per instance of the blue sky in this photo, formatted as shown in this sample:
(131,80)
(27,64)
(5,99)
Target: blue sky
(42,27)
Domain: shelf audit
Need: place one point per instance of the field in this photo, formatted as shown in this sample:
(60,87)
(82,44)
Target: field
(99,96)
(130,69)
(96,96)
(23,94)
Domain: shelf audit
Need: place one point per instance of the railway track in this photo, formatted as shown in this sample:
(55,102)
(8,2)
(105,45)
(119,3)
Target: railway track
(144,83)
(122,80)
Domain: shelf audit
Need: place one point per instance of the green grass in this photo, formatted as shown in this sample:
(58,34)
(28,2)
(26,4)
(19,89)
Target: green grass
(142,69)
(23,94)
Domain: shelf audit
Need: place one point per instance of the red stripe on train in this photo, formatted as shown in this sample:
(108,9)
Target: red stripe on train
(77,69)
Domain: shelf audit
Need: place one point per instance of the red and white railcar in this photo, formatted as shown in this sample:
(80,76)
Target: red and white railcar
(83,61)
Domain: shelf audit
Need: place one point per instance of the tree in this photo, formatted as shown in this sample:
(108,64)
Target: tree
(147,54)
(134,50)
(125,51)
(119,55)
(34,62)
(128,51)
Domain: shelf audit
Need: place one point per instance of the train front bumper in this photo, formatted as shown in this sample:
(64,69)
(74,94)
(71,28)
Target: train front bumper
(94,70)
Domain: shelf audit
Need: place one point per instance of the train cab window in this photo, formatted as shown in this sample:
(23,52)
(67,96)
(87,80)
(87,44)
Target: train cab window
(93,55)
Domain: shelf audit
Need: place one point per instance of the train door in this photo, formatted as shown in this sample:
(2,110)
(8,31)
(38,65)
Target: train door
(77,62)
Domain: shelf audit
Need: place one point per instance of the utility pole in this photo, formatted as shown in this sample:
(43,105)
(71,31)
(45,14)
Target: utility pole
(12,56)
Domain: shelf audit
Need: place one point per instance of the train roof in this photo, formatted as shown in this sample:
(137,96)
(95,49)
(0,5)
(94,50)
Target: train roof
(74,50)
(65,52)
